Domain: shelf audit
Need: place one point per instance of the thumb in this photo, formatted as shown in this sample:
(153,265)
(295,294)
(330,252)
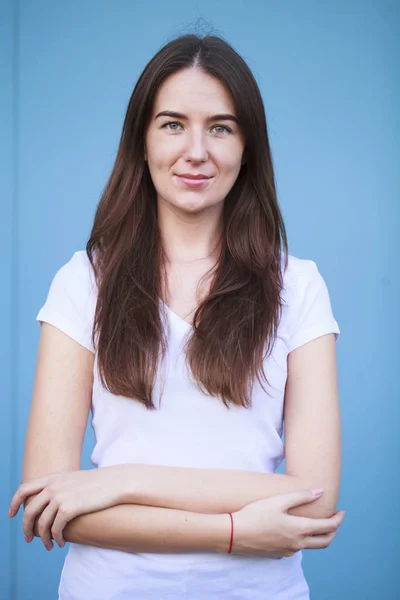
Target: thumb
(292,499)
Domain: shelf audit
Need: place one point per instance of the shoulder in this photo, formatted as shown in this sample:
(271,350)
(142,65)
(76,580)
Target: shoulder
(307,309)
(79,263)
(71,299)
(74,284)
(299,276)
(77,274)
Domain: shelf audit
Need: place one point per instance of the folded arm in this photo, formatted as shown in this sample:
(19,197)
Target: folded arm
(58,418)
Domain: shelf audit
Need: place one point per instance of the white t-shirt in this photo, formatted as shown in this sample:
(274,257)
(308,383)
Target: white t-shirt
(189,429)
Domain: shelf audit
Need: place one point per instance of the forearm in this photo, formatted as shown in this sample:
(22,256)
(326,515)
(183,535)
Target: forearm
(134,528)
(214,491)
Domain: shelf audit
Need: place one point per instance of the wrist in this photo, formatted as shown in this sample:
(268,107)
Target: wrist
(221,524)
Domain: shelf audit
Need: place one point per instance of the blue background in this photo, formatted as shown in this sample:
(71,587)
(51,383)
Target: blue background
(327,73)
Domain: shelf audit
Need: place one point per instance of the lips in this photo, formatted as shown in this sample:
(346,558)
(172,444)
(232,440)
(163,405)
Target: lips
(191,176)
(193,181)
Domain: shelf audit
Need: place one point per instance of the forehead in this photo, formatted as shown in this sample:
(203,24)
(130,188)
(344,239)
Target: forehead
(193,89)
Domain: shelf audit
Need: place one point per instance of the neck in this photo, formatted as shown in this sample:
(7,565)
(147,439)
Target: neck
(188,238)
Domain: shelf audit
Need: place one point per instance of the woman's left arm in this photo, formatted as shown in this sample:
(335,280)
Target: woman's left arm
(312,450)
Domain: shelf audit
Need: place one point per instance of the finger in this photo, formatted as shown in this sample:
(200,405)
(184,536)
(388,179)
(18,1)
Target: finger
(316,542)
(34,509)
(35,529)
(62,518)
(45,524)
(26,489)
(322,526)
(297,498)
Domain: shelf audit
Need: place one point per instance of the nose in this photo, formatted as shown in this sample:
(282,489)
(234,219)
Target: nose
(196,149)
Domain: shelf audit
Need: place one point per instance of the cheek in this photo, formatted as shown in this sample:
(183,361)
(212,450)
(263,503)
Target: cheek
(231,169)
(159,163)
(160,156)
(230,159)
(159,152)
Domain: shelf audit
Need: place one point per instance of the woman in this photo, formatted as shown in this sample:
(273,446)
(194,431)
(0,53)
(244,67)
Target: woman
(192,334)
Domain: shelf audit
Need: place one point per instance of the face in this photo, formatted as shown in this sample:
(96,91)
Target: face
(194,141)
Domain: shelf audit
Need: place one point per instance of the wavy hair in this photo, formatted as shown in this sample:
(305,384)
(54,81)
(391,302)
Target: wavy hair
(235,325)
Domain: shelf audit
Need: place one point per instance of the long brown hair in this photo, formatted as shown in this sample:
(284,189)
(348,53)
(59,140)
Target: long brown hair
(235,325)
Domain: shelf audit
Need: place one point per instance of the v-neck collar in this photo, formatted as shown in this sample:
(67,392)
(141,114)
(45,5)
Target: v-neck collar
(181,322)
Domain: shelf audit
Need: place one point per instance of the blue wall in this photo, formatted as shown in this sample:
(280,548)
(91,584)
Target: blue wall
(327,72)
(8,347)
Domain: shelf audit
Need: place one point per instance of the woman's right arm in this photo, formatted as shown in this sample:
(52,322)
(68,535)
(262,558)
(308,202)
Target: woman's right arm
(58,417)
(60,406)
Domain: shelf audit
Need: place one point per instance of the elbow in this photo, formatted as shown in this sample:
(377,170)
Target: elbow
(322,508)
(319,509)
(325,506)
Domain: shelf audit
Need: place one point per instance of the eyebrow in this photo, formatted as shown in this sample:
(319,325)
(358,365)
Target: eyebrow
(177,115)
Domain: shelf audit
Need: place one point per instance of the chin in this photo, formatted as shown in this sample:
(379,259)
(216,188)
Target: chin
(191,205)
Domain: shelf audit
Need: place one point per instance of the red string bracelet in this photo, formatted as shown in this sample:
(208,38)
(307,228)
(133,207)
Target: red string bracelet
(230,543)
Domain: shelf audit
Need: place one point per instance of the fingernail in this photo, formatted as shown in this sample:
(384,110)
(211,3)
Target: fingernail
(318,492)
(9,512)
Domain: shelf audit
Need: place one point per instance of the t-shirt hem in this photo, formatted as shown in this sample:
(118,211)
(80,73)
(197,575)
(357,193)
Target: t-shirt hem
(66,327)
(313,333)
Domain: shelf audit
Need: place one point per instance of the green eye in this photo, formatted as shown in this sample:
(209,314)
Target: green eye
(170,123)
(227,129)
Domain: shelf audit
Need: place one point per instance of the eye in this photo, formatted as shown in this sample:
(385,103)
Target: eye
(227,129)
(165,126)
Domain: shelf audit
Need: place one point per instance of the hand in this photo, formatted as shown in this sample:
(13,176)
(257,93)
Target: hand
(263,528)
(61,497)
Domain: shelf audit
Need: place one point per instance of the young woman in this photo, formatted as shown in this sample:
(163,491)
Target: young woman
(192,334)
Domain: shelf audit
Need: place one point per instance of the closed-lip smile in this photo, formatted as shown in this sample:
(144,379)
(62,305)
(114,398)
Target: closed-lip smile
(191,176)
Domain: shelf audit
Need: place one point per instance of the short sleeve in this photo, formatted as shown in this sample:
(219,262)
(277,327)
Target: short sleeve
(70,301)
(313,311)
